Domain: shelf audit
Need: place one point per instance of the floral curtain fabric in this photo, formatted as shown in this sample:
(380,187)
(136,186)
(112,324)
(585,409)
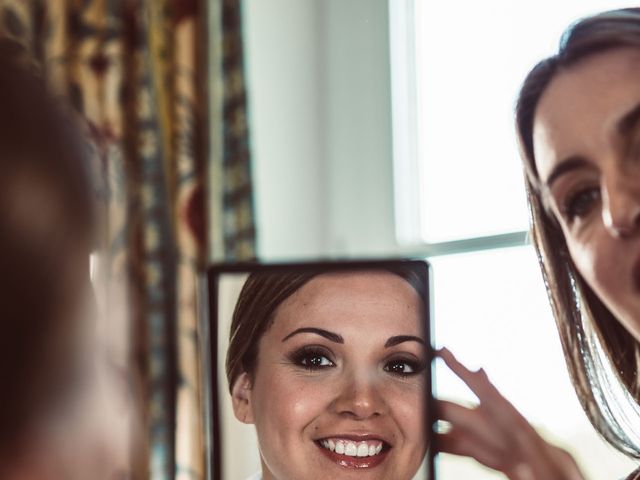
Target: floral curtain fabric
(160,86)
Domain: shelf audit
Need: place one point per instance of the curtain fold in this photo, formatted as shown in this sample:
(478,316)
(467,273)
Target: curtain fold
(233,235)
(160,87)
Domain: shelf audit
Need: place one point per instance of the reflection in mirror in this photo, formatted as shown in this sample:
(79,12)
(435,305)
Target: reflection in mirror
(321,371)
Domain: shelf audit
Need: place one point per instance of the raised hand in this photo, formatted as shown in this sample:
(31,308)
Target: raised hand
(495,434)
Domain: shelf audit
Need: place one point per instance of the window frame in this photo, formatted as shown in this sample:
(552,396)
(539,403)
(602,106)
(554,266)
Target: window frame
(406,154)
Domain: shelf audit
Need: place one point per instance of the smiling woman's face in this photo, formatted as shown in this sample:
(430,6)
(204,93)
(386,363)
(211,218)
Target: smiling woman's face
(587,148)
(338,391)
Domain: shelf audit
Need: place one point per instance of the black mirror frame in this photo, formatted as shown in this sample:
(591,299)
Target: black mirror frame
(209,341)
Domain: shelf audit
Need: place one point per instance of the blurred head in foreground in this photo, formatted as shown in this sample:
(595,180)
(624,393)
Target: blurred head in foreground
(45,238)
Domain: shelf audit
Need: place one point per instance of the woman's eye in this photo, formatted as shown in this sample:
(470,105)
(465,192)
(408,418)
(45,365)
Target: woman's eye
(312,359)
(580,204)
(316,361)
(403,367)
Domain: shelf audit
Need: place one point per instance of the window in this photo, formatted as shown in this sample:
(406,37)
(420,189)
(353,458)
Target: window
(456,70)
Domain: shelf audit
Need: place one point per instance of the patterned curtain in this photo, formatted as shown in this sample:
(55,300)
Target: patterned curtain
(170,146)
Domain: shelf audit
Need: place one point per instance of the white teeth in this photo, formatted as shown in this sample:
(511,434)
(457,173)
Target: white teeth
(363,450)
(350,449)
(353,449)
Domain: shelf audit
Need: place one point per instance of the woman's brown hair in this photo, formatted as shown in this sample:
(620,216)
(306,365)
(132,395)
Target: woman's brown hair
(591,337)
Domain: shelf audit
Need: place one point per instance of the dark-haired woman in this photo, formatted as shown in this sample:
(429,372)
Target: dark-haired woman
(578,120)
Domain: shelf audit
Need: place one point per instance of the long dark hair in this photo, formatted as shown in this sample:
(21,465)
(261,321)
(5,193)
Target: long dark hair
(601,355)
(46,213)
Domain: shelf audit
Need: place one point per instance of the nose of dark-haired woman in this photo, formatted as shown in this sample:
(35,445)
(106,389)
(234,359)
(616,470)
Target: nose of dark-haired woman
(621,207)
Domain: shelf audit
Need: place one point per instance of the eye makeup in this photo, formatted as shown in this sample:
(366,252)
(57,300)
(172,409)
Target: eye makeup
(316,357)
(312,358)
(404,366)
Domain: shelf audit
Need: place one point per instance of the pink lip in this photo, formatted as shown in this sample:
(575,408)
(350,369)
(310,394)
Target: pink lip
(356,437)
(347,461)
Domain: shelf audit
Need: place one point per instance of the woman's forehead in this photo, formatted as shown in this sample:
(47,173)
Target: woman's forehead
(584,105)
(360,296)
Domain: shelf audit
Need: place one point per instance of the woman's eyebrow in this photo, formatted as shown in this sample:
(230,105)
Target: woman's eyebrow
(625,126)
(567,165)
(334,337)
(392,341)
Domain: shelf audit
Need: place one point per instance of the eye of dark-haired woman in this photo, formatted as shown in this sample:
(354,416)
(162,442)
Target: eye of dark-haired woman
(579,204)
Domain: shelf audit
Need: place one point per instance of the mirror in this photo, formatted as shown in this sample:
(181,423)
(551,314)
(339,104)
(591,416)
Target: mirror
(320,369)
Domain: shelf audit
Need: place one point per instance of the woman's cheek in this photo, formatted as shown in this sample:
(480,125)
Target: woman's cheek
(292,396)
(597,259)
(306,397)
(407,400)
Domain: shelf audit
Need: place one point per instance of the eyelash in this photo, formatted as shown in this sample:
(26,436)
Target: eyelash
(580,203)
(307,357)
(304,357)
(417,367)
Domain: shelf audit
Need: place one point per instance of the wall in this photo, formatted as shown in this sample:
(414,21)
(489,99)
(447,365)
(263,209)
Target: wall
(320,119)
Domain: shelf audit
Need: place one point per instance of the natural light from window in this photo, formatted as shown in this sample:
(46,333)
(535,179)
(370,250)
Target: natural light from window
(471,59)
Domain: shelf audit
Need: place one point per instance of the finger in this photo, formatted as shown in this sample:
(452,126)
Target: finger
(496,434)
(533,467)
(458,442)
(513,465)
(516,450)
(477,381)
(475,424)
(507,432)
(490,398)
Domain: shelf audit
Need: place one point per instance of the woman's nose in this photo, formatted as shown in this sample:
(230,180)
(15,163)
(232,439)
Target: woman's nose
(621,204)
(360,398)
